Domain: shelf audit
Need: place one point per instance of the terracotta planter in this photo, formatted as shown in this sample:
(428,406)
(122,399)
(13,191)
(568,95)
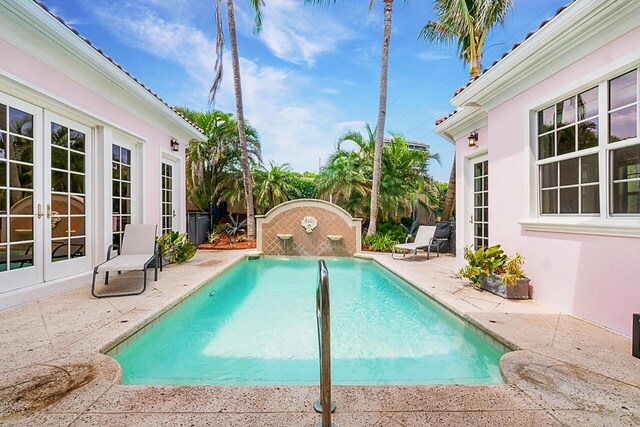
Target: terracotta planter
(493,284)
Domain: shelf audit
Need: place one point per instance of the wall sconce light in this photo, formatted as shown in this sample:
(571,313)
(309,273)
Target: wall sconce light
(175,145)
(473,139)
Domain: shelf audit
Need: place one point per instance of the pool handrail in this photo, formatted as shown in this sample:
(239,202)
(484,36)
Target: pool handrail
(324,405)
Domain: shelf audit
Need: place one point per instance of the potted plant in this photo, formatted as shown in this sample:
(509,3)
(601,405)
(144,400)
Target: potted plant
(175,247)
(492,270)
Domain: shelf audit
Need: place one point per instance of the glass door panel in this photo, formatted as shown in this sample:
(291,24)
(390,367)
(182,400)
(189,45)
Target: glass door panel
(67,206)
(480,216)
(20,260)
(168,211)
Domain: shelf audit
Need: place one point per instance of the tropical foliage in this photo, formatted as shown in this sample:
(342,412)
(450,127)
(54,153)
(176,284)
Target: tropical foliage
(346,177)
(486,261)
(380,242)
(176,247)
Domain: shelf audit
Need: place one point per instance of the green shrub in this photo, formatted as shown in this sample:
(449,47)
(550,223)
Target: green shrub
(380,242)
(213,236)
(305,187)
(220,228)
(176,246)
(395,231)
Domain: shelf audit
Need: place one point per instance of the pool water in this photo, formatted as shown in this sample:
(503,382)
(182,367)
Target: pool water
(255,325)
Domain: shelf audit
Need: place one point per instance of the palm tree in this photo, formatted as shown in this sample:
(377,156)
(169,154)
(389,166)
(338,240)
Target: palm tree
(214,165)
(273,186)
(246,171)
(466,24)
(382,111)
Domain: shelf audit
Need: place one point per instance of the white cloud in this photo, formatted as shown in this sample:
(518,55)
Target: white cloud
(432,56)
(296,34)
(294,126)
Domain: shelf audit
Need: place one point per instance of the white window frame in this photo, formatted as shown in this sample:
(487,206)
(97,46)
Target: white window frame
(605,223)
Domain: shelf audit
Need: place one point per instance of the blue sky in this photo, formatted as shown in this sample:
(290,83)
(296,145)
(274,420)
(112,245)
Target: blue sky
(312,72)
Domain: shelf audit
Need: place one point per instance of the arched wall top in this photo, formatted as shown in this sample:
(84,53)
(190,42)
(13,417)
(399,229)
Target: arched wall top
(323,204)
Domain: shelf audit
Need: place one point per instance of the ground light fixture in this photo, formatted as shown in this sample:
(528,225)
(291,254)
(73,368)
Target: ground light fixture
(473,139)
(175,145)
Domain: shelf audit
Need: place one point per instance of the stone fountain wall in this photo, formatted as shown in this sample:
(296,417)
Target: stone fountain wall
(309,222)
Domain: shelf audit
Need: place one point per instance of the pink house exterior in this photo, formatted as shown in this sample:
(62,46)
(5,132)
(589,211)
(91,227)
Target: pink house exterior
(555,174)
(84,150)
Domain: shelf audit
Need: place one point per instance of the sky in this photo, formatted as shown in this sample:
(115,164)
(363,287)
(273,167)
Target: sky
(312,73)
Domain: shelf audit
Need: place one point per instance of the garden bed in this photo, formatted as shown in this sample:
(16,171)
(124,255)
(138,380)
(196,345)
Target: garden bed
(224,243)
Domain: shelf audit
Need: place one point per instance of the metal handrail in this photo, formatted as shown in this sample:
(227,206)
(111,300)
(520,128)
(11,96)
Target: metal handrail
(324,405)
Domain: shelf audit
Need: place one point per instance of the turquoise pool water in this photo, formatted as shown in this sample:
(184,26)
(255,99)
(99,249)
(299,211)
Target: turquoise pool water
(255,325)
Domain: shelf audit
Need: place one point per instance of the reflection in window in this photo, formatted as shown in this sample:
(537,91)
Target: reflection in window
(121,201)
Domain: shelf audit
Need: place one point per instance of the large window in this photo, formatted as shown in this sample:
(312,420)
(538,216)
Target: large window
(121,171)
(574,135)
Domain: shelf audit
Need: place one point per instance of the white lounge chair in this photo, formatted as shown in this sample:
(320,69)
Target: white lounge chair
(138,250)
(423,240)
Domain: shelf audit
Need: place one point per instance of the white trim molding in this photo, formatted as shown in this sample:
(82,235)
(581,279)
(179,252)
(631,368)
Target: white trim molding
(618,227)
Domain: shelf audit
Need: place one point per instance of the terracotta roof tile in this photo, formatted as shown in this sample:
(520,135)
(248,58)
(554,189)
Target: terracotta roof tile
(110,59)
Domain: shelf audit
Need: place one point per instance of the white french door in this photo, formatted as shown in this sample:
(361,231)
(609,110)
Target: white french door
(479,203)
(21,244)
(168,201)
(67,197)
(45,182)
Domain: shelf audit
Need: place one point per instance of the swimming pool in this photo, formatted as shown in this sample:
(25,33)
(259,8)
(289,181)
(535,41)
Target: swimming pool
(255,325)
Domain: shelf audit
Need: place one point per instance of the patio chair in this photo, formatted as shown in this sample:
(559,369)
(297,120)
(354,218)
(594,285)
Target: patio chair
(138,250)
(422,240)
(440,237)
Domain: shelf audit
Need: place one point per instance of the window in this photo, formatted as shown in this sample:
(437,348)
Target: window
(167,198)
(122,189)
(571,144)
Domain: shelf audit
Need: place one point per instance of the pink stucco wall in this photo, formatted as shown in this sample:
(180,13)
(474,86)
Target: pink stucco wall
(593,277)
(38,75)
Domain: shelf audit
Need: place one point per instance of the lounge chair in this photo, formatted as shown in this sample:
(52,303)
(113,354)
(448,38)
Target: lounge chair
(138,250)
(423,239)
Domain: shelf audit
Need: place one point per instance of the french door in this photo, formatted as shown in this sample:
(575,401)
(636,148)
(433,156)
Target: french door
(45,184)
(168,207)
(480,202)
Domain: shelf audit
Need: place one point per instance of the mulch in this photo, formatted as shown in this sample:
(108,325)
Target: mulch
(224,243)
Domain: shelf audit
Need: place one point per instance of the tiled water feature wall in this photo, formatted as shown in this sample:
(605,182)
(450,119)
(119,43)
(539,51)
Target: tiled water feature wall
(308,227)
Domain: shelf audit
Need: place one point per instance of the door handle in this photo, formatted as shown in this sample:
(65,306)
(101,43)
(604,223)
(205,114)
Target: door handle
(174,213)
(471,219)
(40,214)
(48,211)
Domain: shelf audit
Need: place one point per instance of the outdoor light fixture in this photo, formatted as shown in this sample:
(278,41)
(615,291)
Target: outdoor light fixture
(473,139)
(175,145)
(636,336)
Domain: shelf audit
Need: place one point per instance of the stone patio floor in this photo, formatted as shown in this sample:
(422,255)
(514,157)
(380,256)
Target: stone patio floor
(564,371)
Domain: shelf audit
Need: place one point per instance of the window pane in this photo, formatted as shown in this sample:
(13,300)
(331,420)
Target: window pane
(567,140)
(20,122)
(20,255)
(59,158)
(116,205)
(21,149)
(3,177)
(569,172)
(590,199)
(626,163)
(20,202)
(549,174)
(623,124)
(126,156)
(626,197)
(77,205)
(59,135)
(589,169)
(588,104)
(77,162)
(546,146)
(115,171)
(76,140)
(77,183)
(569,200)
(622,90)
(566,112)
(3,117)
(59,204)
(549,201)
(115,153)
(588,134)
(545,120)
(77,247)
(20,228)
(3,145)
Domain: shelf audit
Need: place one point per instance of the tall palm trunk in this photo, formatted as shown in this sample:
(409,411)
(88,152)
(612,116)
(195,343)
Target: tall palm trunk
(382,114)
(246,171)
(450,198)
